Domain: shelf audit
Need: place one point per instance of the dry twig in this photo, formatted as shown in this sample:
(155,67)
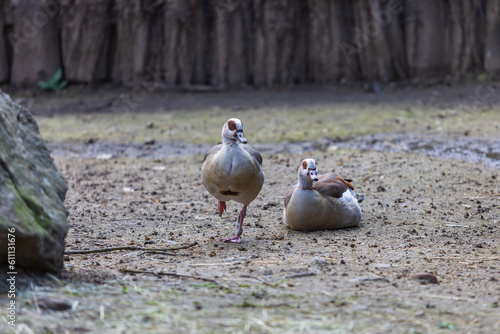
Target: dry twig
(169,273)
(477,259)
(299,275)
(256,278)
(129,248)
(161,252)
(453,298)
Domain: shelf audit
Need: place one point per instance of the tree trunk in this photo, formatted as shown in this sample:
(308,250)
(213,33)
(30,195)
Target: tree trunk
(4,60)
(85,39)
(186,42)
(425,39)
(131,29)
(278,41)
(492,52)
(460,42)
(236,43)
(35,41)
(138,40)
(232,43)
(375,54)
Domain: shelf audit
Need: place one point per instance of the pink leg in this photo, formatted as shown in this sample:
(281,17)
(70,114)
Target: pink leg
(236,239)
(221,207)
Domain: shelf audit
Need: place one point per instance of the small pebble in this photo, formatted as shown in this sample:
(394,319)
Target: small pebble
(425,278)
(53,304)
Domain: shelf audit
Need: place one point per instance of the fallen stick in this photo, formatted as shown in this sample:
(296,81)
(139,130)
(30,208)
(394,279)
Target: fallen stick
(299,275)
(479,259)
(173,274)
(453,298)
(129,248)
(153,251)
(256,278)
(214,264)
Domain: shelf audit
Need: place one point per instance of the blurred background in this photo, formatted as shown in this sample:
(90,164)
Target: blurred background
(237,43)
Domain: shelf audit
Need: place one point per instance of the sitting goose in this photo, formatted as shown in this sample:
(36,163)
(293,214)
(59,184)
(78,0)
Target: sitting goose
(232,171)
(329,203)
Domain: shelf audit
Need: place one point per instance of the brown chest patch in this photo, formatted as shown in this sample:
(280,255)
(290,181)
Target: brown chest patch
(229,193)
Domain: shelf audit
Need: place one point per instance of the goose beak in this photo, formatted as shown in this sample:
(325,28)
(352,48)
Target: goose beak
(241,137)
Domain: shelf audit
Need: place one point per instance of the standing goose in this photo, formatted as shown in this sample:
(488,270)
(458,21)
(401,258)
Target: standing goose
(232,171)
(328,203)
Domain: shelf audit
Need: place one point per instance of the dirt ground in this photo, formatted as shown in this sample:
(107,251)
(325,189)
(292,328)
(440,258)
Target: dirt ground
(426,217)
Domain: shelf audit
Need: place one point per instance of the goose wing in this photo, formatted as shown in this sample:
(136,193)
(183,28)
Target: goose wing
(332,185)
(253,152)
(212,151)
(289,195)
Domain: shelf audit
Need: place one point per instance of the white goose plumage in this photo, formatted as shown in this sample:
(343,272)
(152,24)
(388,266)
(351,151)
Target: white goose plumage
(323,202)
(232,171)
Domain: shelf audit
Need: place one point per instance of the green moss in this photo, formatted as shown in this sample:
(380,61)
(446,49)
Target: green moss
(41,217)
(3,221)
(28,218)
(30,212)
(36,209)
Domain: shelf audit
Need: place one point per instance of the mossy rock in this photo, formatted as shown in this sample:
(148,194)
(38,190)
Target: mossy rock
(32,193)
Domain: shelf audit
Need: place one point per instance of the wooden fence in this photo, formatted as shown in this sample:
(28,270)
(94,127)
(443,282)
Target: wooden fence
(237,43)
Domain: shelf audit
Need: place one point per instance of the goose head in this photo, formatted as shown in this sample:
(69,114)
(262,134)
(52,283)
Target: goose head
(232,131)
(308,171)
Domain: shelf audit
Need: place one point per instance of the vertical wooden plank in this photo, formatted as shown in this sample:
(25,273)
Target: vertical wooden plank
(139,37)
(85,39)
(276,40)
(425,32)
(186,52)
(4,63)
(35,41)
(492,41)
(232,43)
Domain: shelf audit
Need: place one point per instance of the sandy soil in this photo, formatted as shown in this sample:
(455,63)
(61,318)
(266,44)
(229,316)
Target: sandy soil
(425,219)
